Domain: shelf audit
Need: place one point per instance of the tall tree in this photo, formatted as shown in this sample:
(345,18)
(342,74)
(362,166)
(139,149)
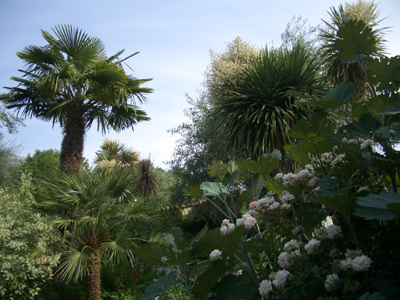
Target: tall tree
(71,81)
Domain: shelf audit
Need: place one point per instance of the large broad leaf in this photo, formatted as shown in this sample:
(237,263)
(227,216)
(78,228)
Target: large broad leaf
(268,163)
(385,73)
(160,286)
(253,192)
(194,191)
(152,253)
(342,94)
(393,109)
(355,38)
(333,195)
(363,127)
(234,288)
(382,206)
(228,244)
(208,279)
(213,188)
(216,169)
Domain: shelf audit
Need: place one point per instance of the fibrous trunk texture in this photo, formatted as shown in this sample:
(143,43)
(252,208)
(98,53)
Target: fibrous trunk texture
(72,143)
(93,277)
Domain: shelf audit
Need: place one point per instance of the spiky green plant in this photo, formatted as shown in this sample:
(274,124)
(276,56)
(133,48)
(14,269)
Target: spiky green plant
(258,112)
(356,25)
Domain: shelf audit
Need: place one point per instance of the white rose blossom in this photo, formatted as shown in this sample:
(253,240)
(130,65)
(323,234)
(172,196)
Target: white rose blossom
(215,254)
(331,282)
(226,227)
(280,278)
(265,288)
(312,246)
(361,263)
(333,232)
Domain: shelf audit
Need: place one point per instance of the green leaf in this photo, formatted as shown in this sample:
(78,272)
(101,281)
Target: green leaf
(382,206)
(213,188)
(194,191)
(152,253)
(337,203)
(233,288)
(385,73)
(256,185)
(330,186)
(363,127)
(372,296)
(345,92)
(228,244)
(209,278)
(216,169)
(355,38)
(267,163)
(160,286)
(393,109)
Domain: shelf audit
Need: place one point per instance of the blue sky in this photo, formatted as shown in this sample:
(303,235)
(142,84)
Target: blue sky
(174,38)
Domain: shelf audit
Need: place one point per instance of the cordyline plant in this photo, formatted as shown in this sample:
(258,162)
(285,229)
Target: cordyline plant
(326,231)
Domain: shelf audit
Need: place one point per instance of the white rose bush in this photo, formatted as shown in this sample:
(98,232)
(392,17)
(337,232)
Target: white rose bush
(318,219)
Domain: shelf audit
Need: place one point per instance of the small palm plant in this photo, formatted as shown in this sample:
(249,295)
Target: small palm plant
(113,154)
(101,213)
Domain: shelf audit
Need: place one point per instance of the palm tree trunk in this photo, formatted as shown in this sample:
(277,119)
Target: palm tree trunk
(93,277)
(72,144)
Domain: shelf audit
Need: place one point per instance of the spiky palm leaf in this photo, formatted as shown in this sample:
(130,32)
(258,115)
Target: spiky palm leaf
(259,111)
(102,212)
(71,81)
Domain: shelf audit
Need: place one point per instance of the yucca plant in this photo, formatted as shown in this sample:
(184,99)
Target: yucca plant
(101,213)
(258,112)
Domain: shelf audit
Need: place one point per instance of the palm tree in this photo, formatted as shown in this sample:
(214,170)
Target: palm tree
(102,212)
(259,110)
(72,82)
(351,27)
(113,154)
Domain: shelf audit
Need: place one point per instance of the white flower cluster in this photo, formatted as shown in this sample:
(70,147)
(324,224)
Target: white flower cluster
(331,232)
(367,144)
(339,159)
(226,227)
(286,197)
(312,246)
(267,204)
(279,278)
(331,282)
(248,220)
(303,176)
(291,253)
(352,141)
(215,254)
(356,261)
(265,288)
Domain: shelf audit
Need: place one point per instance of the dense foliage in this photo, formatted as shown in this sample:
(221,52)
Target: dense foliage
(29,246)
